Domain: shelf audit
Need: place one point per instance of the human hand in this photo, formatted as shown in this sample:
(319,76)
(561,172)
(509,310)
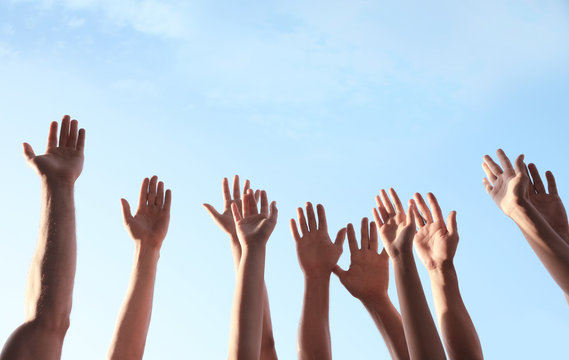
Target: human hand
(508,187)
(368,275)
(435,242)
(317,254)
(253,228)
(148,227)
(549,205)
(396,228)
(61,163)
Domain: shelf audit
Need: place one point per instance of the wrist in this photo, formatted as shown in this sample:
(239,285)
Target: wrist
(56,182)
(443,274)
(315,277)
(253,248)
(378,303)
(143,252)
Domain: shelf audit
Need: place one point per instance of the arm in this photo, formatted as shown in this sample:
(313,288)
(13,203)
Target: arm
(397,232)
(225,221)
(540,216)
(317,256)
(52,272)
(148,228)
(367,279)
(436,245)
(253,230)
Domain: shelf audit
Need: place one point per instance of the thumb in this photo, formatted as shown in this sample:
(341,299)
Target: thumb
(28,151)
(339,272)
(211,210)
(126,211)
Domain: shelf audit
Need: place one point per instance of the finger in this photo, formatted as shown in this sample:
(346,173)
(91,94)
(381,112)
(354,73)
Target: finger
(364,233)
(311,217)
(340,237)
(168,201)
(494,168)
(52,136)
(257,196)
(64,132)
(436,209)
(487,185)
(410,211)
(235,212)
(302,221)
(264,204)
(152,190)
(423,208)
(81,141)
(377,218)
(225,189)
(211,210)
(127,215)
(160,194)
(387,202)
(246,186)
(322,224)
(451,223)
(246,204)
(252,202)
(504,160)
(521,167)
(537,182)
(28,152)
(551,185)
(273,212)
(352,242)
(381,208)
(489,172)
(338,271)
(236,191)
(294,230)
(418,218)
(143,193)
(398,206)
(373,238)
(72,140)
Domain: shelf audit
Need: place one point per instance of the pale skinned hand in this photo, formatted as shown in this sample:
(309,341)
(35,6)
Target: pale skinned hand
(435,242)
(61,163)
(395,227)
(254,227)
(149,225)
(368,276)
(317,254)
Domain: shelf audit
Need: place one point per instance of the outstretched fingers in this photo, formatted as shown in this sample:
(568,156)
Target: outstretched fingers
(364,234)
(64,131)
(311,217)
(423,208)
(294,230)
(373,237)
(236,190)
(152,190)
(322,224)
(52,136)
(537,182)
(494,168)
(436,209)
(352,242)
(452,226)
(340,237)
(143,193)
(302,221)
(551,185)
(160,195)
(127,215)
(28,152)
(72,139)
(489,174)
(504,160)
(264,203)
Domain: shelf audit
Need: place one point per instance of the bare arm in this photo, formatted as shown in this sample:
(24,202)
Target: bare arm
(148,228)
(253,230)
(225,221)
(52,272)
(540,216)
(367,279)
(436,245)
(317,256)
(397,233)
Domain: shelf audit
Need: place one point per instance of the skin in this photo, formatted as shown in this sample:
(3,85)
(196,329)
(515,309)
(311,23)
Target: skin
(317,256)
(397,231)
(253,230)
(226,222)
(52,272)
(436,244)
(539,214)
(148,228)
(367,279)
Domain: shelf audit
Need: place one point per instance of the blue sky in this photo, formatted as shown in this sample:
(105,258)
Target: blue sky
(313,101)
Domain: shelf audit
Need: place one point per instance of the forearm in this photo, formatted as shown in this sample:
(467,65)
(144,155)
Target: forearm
(421,334)
(314,329)
(133,322)
(552,251)
(390,325)
(459,334)
(52,272)
(247,312)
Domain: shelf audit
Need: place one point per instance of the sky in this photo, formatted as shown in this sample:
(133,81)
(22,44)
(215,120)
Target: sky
(321,101)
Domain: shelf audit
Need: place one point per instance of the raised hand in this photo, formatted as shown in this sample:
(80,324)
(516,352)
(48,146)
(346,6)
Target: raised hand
(368,276)
(435,242)
(64,162)
(317,254)
(395,227)
(150,223)
(254,227)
